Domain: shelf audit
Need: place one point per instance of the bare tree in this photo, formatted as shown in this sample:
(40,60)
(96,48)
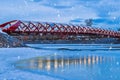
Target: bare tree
(89,22)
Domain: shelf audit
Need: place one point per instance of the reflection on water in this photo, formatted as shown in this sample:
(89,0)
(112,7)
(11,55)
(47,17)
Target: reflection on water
(54,62)
(67,67)
(76,62)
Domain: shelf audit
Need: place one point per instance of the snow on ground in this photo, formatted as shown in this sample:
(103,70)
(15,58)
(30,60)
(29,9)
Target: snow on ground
(2,32)
(8,56)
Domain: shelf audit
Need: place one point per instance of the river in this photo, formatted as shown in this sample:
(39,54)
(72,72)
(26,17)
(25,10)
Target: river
(75,61)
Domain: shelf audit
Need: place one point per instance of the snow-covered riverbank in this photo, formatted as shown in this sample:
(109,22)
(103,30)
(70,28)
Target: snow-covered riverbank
(7,41)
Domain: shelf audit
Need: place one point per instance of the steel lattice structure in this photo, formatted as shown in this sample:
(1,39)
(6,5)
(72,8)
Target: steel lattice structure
(20,27)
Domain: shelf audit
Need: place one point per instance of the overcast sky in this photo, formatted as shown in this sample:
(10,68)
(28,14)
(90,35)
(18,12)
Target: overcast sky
(105,13)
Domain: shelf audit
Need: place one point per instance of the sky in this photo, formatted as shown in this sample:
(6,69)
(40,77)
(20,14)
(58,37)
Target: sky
(105,13)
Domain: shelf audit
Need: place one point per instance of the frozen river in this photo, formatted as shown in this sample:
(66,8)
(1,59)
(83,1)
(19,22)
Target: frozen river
(61,62)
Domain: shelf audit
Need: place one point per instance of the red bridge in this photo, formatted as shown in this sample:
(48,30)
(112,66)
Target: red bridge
(58,31)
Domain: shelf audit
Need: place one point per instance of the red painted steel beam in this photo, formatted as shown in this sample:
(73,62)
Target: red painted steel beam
(17,26)
(4,24)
